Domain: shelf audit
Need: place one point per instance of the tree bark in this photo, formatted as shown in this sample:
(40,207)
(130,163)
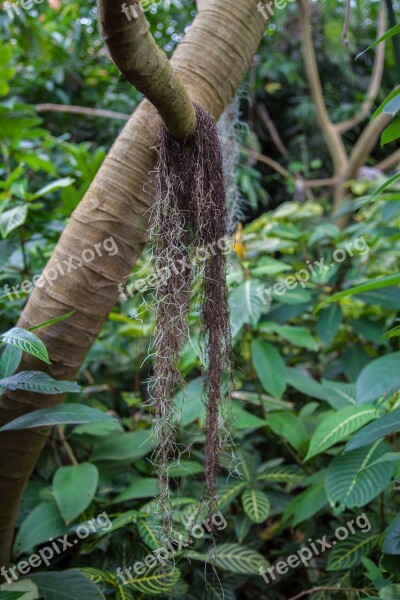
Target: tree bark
(211,61)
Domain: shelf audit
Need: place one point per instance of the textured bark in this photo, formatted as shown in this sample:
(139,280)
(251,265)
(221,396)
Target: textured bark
(145,66)
(212,61)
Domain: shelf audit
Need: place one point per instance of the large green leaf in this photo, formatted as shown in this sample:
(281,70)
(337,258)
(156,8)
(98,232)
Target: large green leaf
(43,523)
(337,427)
(374,431)
(379,377)
(349,483)
(126,447)
(374,284)
(74,488)
(155,582)
(38,382)
(246,305)
(393,31)
(270,367)
(298,336)
(348,553)
(141,487)
(27,341)
(58,415)
(307,504)
(390,592)
(256,505)
(290,427)
(66,585)
(234,558)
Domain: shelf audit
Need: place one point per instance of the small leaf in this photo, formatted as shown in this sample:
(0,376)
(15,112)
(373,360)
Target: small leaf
(393,31)
(391,132)
(13,218)
(381,376)
(58,415)
(27,341)
(40,383)
(270,367)
(52,187)
(256,505)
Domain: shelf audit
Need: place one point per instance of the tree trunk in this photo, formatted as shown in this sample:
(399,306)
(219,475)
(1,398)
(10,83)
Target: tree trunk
(212,61)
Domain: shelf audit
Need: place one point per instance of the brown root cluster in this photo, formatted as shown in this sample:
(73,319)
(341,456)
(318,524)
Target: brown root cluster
(190,231)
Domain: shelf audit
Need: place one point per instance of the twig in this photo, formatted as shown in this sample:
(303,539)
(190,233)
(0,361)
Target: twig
(269,124)
(66,445)
(388,162)
(346,23)
(82,110)
(326,589)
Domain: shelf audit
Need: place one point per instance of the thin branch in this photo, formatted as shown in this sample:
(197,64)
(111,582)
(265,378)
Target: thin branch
(270,162)
(327,589)
(66,445)
(332,137)
(81,110)
(390,161)
(375,81)
(270,125)
(346,23)
(145,66)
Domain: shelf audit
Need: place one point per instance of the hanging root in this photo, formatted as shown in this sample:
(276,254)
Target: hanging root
(170,229)
(190,221)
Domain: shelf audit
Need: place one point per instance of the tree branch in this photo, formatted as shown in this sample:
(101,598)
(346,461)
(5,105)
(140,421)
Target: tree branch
(144,65)
(332,137)
(81,110)
(375,81)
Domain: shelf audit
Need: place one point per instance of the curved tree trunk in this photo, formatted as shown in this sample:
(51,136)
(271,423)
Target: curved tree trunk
(212,61)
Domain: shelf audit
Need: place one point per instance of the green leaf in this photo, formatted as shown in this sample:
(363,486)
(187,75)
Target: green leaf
(234,558)
(43,523)
(393,31)
(349,483)
(40,383)
(391,132)
(74,488)
(26,341)
(24,589)
(58,415)
(290,475)
(155,582)
(9,362)
(328,323)
(307,504)
(375,284)
(270,367)
(148,534)
(13,218)
(393,106)
(381,108)
(52,187)
(349,553)
(379,377)
(228,492)
(185,468)
(390,592)
(189,404)
(290,427)
(337,427)
(126,447)
(298,336)
(53,321)
(374,431)
(246,305)
(256,505)
(391,543)
(143,487)
(66,585)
